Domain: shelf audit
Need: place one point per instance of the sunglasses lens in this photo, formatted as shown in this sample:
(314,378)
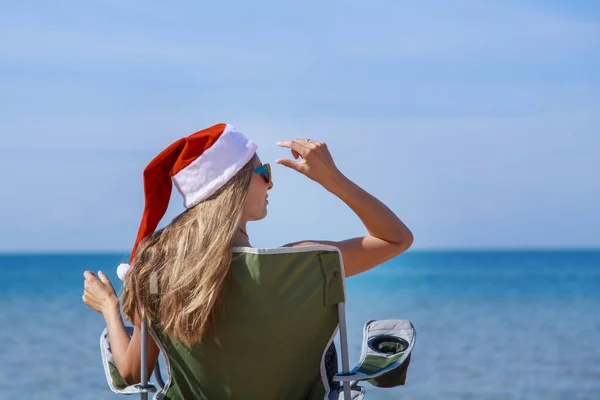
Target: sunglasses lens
(264,171)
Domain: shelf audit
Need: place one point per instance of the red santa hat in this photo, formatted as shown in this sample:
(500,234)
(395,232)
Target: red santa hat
(198,165)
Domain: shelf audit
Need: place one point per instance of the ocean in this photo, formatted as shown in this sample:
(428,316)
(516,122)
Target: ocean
(490,325)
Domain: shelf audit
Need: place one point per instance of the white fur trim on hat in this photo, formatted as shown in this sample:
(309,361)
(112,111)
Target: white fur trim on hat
(217,165)
(122,270)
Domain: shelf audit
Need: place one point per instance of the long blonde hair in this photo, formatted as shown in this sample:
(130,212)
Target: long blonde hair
(187,262)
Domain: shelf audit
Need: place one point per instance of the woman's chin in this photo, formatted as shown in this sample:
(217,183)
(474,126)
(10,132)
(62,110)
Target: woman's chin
(259,216)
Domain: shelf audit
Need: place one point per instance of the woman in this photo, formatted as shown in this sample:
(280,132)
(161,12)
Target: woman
(187,261)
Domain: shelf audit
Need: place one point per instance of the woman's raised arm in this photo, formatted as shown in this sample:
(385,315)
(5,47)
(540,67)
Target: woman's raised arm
(388,236)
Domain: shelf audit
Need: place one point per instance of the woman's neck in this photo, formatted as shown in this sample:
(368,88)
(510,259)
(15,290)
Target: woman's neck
(241,238)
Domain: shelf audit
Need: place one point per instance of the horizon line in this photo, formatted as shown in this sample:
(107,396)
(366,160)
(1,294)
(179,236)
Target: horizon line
(416,250)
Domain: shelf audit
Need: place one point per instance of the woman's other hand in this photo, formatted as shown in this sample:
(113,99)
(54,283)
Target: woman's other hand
(98,292)
(317,163)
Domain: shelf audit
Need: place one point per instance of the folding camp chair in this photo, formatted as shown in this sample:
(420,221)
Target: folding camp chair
(274,339)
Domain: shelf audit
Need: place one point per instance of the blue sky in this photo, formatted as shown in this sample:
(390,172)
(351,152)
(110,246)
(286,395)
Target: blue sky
(477,122)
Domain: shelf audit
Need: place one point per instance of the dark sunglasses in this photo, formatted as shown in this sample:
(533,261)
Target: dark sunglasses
(265,171)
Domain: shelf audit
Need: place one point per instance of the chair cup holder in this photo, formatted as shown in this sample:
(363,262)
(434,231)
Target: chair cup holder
(387,344)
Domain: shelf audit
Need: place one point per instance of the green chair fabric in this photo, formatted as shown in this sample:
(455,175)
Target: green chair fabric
(279,316)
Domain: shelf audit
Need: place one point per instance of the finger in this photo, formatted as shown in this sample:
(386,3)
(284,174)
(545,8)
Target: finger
(294,145)
(89,275)
(295,154)
(103,277)
(295,165)
(311,144)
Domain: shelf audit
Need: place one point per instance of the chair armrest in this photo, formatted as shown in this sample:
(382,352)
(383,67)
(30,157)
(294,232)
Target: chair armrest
(114,379)
(385,355)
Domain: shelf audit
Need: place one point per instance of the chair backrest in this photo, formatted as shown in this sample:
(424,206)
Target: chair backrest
(279,316)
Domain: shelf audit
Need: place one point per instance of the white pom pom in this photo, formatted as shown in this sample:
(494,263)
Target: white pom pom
(122,270)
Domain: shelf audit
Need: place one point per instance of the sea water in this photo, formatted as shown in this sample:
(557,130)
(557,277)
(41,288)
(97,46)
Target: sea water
(490,325)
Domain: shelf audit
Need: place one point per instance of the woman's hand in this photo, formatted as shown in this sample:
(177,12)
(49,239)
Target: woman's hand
(99,294)
(317,163)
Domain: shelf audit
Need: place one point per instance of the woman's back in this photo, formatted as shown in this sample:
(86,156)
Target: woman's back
(277,318)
